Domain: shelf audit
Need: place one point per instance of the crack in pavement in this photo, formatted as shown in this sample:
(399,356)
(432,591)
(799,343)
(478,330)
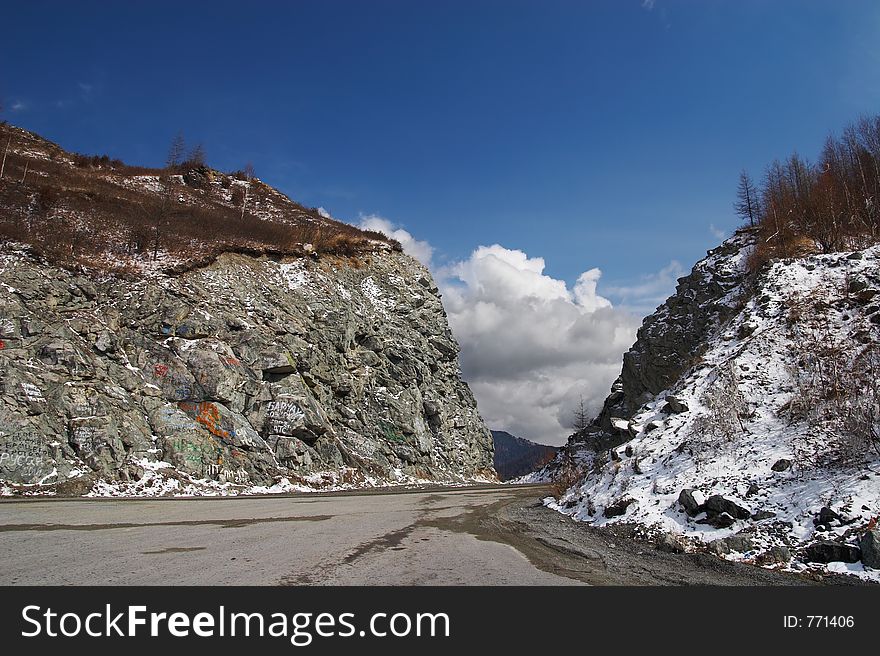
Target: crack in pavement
(168,550)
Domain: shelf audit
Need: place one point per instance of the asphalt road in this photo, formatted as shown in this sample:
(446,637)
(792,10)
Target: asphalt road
(497,535)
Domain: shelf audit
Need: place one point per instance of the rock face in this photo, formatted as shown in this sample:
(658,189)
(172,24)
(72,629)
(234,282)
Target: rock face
(669,339)
(722,421)
(244,372)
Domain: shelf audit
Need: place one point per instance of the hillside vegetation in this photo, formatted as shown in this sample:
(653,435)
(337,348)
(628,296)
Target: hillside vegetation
(100,214)
(827,206)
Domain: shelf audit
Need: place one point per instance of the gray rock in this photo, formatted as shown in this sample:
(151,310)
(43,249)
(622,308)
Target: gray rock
(671,543)
(244,371)
(689,503)
(669,338)
(869,543)
(856,285)
(718,520)
(826,517)
(778,555)
(739,543)
(781,465)
(827,551)
(618,508)
(719,504)
(674,405)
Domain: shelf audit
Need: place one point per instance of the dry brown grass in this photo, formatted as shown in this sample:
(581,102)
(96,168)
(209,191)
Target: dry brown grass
(93,212)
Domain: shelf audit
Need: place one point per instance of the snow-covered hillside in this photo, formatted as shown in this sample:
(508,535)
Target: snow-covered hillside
(766,448)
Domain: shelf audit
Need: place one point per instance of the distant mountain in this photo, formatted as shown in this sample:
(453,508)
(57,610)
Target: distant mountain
(515,456)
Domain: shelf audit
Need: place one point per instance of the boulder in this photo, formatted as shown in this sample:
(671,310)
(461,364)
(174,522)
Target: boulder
(671,543)
(827,551)
(739,543)
(674,405)
(619,507)
(691,501)
(869,543)
(778,555)
(718,520)
(856,285)
(781,465)
(718,504)
(826,517)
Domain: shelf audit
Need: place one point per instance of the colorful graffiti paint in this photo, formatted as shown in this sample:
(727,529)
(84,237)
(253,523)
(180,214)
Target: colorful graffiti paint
(208,415)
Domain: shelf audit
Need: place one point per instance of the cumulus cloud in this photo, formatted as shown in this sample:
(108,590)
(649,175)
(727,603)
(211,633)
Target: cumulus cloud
(643,297)
(531,347)
(421,250)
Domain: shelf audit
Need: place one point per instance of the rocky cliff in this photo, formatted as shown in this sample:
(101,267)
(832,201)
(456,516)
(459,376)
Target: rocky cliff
(671,339)
(184,330)
(248,371)
(747,416)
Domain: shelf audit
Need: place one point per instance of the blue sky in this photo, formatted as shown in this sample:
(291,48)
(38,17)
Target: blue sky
(594,134)
(577,135)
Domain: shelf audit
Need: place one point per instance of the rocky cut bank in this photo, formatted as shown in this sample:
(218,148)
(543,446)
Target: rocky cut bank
(746,419)
(245,373)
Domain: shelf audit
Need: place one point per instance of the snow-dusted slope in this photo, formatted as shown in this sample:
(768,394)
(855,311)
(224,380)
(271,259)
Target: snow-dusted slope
(776,415)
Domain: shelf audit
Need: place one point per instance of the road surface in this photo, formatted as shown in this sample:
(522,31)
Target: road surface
(494,535)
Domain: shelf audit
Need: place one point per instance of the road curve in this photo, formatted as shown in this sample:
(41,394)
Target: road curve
(490,535)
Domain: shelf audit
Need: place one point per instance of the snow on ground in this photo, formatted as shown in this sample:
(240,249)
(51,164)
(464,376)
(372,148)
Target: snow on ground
(161,479)
(294,274)
(801,306)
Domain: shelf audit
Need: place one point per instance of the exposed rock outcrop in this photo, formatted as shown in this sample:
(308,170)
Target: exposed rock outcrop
(748,405)
(242,373)
(671,338)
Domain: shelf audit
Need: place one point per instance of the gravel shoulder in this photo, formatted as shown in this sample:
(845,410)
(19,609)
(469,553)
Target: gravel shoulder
(557,544)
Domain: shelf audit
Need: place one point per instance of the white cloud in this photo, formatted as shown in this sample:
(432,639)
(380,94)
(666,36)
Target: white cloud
(421,250)
(718,233)
(18,106)
(643,297)
(530,345)
(324,213)
(648,4)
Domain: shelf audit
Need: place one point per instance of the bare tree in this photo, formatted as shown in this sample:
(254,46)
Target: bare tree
(746,204)
(5,153)
(197,156)
(580,416)
(248,174)
(176,151)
